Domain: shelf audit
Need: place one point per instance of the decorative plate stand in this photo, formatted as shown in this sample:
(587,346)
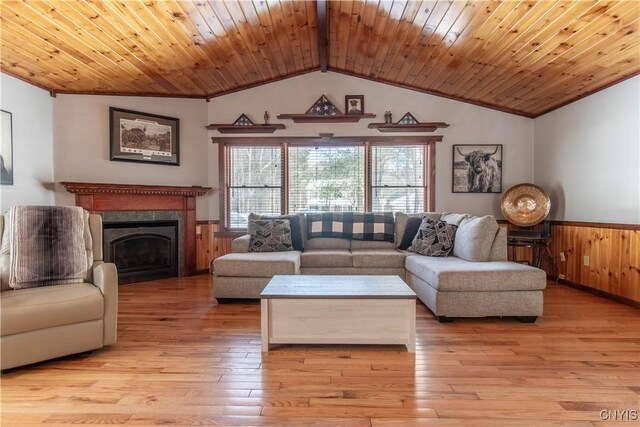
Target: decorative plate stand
(324,111)
(408,123)
(243,124)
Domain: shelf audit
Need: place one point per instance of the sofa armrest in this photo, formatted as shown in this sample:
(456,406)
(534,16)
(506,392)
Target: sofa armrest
(105,278)
(241,244)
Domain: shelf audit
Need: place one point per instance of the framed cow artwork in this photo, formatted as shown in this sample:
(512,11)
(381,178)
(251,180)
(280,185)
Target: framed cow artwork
(477,168)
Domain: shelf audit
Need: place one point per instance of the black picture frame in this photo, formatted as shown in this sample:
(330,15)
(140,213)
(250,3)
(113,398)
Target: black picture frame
(6,148)
(140,137)
(476,168)
(354,104)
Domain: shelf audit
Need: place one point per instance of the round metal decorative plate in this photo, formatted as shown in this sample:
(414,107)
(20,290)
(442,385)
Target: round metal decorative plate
(525,205)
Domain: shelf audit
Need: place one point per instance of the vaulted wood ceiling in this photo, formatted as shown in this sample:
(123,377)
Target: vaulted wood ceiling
(526,57)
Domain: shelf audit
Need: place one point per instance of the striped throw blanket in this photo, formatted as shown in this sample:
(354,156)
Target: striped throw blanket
(47,246)
(351,225)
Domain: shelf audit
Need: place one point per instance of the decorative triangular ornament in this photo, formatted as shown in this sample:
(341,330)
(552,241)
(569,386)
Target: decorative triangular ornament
(323,107)
(243,120)
(408,119)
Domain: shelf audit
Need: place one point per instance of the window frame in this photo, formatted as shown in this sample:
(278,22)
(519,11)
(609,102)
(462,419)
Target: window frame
(284,143)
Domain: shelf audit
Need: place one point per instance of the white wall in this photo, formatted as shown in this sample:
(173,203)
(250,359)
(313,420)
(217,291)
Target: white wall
(32,120)
(469,124)
(587,156)
(81,138)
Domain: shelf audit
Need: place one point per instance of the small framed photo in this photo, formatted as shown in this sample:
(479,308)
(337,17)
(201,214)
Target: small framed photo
(6,149)
(143,137)
(354,104)
(477,168)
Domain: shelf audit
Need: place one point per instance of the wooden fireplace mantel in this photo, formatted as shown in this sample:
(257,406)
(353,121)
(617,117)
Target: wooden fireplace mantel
(99,197)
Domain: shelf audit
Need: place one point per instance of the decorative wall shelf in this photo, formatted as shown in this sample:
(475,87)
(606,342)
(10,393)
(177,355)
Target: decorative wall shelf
(244,125)
(323,111)
(418,127)
(408,123)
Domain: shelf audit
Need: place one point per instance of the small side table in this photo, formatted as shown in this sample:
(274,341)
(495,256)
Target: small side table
(537,243)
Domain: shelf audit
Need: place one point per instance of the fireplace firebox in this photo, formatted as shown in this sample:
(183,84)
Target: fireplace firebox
(142,250)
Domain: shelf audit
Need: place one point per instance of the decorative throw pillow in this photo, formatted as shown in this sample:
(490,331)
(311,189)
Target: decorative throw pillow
(296,227)
(270,235)
(434,238)
(410,231)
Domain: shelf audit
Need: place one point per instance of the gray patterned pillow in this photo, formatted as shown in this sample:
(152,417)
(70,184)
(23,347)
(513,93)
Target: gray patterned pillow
(270,235)
(434,238)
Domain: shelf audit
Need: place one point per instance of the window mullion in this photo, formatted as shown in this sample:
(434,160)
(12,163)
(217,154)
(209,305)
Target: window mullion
(284,183)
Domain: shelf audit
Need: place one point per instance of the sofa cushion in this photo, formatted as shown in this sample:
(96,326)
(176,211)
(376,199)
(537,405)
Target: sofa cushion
(270,235)
(434,238)
(402,218)
(475,237)
(453,218)
(326,258)
(27,310)
(377,258)
(295,222)
(453,274)
(257,264)
(327,243)
(367,244)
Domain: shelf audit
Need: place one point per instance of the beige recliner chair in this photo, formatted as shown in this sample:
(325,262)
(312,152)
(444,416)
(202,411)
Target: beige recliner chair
(43,323)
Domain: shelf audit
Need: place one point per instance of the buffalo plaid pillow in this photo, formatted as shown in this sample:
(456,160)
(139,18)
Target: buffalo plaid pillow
(351,225)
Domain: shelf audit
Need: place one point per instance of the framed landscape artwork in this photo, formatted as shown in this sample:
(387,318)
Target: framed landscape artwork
(6,149)
(144,137)
(477,168)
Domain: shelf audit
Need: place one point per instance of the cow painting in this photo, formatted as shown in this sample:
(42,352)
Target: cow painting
(477,168)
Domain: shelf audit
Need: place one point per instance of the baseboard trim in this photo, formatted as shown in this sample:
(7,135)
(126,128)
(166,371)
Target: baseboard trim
(600,293)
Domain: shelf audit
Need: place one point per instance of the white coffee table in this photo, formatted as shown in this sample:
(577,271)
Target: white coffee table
(338,310)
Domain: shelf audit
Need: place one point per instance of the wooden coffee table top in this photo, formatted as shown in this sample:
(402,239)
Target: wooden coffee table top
(299,286)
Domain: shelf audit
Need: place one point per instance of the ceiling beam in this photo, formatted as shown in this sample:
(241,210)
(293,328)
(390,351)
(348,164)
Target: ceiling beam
(323,25)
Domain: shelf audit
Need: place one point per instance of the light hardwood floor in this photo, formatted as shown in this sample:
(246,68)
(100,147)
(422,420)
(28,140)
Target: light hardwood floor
(183,360)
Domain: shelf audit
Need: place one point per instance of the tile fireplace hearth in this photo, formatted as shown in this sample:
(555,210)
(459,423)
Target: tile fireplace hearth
(135,203)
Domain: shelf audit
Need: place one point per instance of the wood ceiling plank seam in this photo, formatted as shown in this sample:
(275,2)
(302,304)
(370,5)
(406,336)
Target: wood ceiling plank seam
(471,43)
(445,24)
(243,41)
(43,77)
(152,12)
(122,30)
(78,59)
(405,53)
(68,28)
(293,34)
(362,37)
(95,22)
(303,22)
(398,39)
(135,26)
(460,32)
(344,26)
(535,20)
(355,28)
(214,40)
(312,33)
(267,26)
(283,40)
(264,49)
(374,42)
(506,34)
(622,56)
(216,78)
(410,70)
(510,70)
(530,83)
(333,13)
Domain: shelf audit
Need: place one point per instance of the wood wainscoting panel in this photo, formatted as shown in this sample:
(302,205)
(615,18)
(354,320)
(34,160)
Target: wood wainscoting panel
(613,257)
(209,246)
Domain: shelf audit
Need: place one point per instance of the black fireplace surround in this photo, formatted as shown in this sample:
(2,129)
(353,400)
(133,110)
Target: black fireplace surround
(142,250)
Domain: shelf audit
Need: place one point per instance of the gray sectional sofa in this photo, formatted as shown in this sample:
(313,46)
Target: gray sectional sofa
(475,281)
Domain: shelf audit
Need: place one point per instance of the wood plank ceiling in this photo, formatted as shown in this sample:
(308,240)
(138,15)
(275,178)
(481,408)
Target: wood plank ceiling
(525,57)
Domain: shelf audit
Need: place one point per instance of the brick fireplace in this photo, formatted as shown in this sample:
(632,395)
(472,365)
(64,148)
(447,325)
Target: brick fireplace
(141,208)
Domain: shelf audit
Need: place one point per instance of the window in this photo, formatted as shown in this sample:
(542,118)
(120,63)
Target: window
(326,179)
(397,178)
(351,174)
(254,182)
